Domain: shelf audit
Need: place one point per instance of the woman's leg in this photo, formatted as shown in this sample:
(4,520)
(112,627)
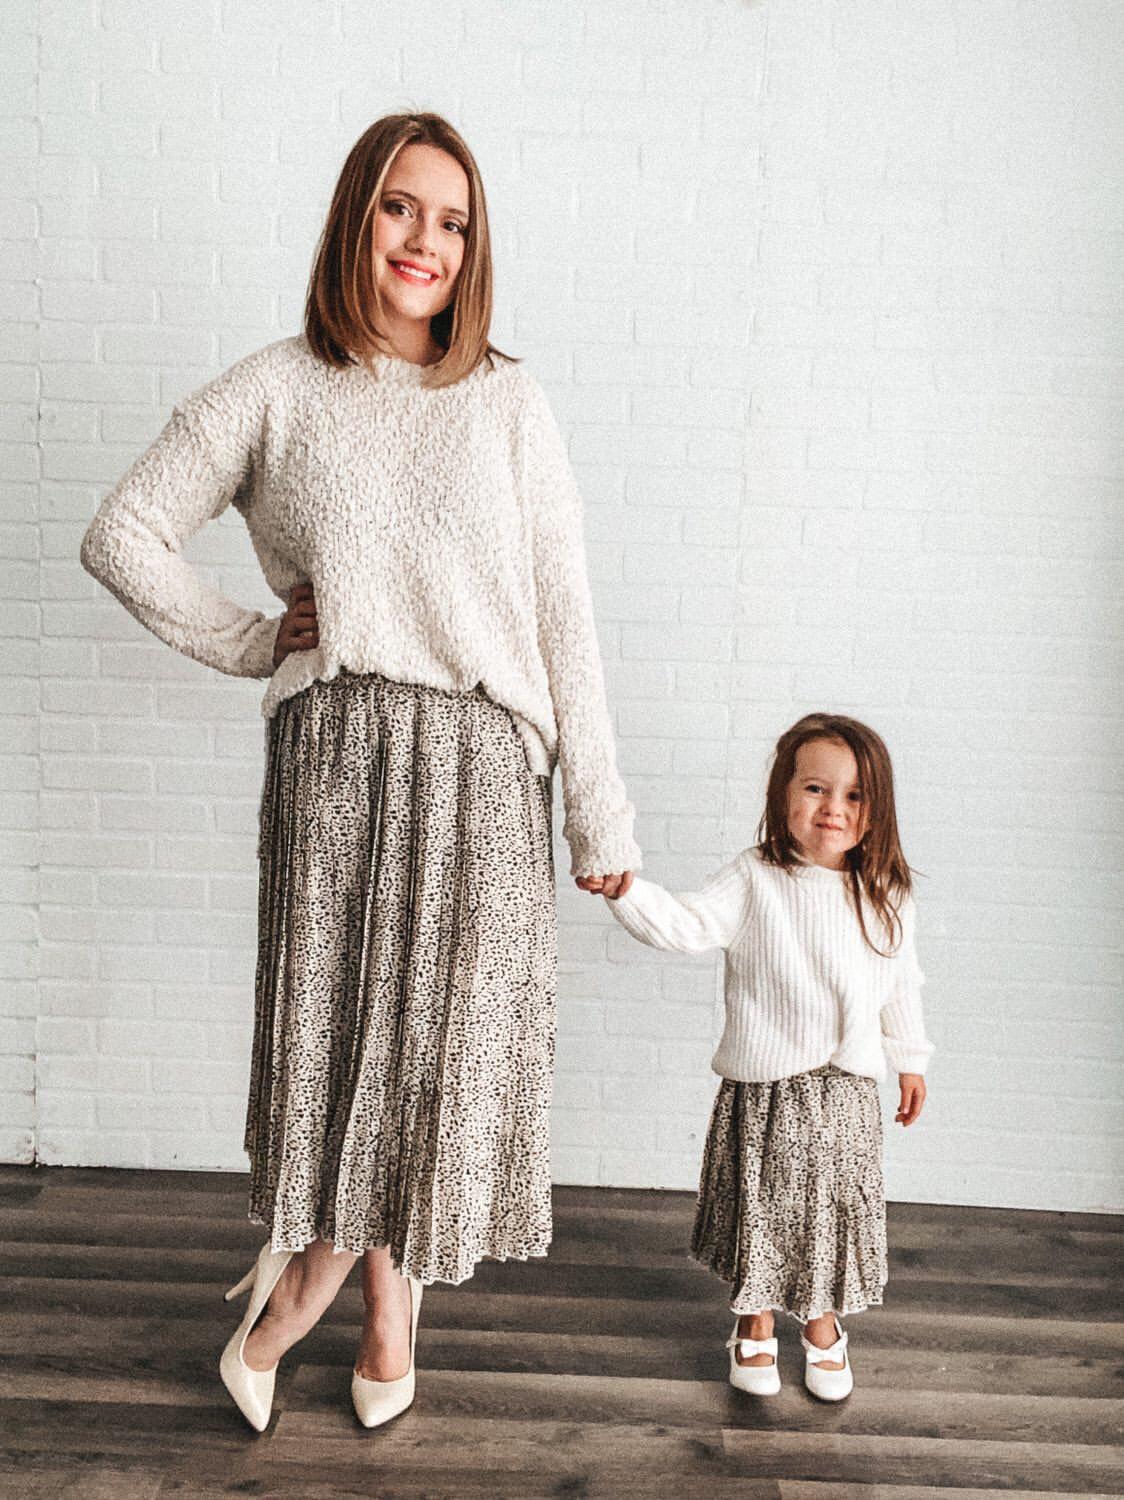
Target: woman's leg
(384,1350)
(821,1332)
(757,1325)
(306,1290)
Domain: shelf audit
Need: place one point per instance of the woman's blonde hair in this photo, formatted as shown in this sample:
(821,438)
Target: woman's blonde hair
(343,308)
(876,865)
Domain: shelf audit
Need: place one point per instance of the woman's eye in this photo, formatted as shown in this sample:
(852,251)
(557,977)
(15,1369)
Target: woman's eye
(456,227)
(392,205)
(856,796)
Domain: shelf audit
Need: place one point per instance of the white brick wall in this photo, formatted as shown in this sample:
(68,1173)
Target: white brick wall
(827,297)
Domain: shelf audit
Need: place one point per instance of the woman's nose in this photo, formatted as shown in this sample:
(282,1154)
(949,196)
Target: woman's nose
(421,236)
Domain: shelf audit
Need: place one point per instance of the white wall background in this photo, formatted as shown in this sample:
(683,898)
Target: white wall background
(827,296)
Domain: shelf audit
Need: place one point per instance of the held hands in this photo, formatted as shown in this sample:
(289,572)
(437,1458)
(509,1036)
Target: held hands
(605,885)
(299,629)
(912,1087)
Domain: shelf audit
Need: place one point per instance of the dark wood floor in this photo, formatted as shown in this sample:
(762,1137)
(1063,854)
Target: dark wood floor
(995,1366)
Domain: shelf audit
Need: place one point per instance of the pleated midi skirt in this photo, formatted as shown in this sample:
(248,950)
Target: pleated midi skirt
(406,976)
(791,1208)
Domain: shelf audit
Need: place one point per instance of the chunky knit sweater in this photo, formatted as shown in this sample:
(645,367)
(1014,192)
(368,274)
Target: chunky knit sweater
(802,986)
(441,530)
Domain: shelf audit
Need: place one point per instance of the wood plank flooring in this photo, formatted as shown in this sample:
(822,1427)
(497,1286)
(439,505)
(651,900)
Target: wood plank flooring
(995,1367)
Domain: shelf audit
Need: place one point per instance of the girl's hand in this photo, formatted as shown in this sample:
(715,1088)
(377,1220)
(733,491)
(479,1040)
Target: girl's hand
(299,629)
(605,885)
(912,1097)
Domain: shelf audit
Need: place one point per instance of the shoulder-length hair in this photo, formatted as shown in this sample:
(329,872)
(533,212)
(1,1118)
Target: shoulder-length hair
(343,309)
(876,866)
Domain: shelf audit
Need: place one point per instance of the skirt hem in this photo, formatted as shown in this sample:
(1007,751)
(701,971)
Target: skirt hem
(531,1251)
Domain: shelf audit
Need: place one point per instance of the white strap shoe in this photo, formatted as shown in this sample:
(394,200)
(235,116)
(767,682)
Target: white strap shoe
(758,1380)
(253,1389)
(377,1401)
(828,1385)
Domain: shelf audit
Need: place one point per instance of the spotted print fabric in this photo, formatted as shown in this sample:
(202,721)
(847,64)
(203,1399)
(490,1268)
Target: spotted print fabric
(405,987)
(791,1210)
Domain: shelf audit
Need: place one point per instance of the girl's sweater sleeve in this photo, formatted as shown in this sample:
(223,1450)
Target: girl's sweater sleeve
(200,462)
(904,1041)
(692,922)
(598,815)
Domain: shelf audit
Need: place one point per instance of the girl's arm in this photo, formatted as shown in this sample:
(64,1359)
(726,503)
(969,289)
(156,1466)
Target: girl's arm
(692,922)
(598,815)
(188,476)
(904,1041)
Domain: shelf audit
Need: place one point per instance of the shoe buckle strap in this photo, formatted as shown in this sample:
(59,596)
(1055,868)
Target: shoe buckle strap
(747,1348)
(836,1351)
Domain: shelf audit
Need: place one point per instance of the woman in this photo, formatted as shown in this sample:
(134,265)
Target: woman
(407,492)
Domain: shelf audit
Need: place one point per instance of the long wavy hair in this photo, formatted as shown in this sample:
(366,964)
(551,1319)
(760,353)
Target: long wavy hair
(343,309)
(876,867)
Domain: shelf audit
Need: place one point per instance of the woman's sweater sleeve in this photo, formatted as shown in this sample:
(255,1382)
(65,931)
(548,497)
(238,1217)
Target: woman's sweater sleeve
(598,815)
(904,1041)
(193,470)
(692,922)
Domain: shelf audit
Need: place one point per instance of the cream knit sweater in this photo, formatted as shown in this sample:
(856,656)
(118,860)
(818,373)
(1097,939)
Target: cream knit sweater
(802,987)
(442,533)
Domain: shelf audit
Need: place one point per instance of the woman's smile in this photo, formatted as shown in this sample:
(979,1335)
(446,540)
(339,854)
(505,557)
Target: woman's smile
(409,270)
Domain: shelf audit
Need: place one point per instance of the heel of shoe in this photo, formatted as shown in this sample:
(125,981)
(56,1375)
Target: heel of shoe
(241,1286)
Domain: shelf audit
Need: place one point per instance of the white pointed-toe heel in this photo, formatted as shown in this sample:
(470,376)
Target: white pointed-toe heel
(758,1380)
(376,1401)
(253,1389)
(828,1385)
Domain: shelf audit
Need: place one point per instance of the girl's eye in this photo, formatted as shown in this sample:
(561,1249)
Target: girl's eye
(392,204)
(455,226)
(856,796)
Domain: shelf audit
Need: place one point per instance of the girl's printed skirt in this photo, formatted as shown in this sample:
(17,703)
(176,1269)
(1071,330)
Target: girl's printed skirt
(405,987)
(791,1209)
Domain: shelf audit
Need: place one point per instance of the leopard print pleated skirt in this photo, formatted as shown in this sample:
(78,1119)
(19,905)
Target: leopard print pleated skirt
(405,986)
(791,1209)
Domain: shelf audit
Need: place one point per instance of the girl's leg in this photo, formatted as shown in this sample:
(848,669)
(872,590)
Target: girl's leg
(384,1350)
(306,1290)
(821,1332)
(757,1325)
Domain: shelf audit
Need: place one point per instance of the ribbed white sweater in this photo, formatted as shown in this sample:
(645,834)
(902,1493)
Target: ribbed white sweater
(442,533)
(802,987)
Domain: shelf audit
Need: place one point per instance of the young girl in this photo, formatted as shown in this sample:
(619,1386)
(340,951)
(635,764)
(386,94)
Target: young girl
(822,986)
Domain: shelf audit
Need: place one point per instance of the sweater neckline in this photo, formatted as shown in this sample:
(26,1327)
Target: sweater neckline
(395,370)
(805,869)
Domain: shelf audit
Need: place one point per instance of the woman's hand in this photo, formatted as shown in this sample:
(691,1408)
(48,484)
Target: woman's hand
(605,885)
(299,629)
(912,1087)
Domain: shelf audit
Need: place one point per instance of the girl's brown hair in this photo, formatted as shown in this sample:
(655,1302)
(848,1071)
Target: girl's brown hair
(876,866)
(343,307)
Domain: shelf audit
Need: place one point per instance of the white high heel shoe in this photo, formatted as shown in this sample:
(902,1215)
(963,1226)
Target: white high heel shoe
(828,1385)
(253,1389)
(758,1380)
(376,1401)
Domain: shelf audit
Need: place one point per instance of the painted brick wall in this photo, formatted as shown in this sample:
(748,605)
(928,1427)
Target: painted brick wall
(827,297)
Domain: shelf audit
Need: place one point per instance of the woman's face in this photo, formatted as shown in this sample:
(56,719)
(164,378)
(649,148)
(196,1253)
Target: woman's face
(420,227)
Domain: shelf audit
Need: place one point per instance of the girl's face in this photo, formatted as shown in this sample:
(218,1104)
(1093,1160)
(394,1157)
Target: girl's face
(419,236)
(826,817)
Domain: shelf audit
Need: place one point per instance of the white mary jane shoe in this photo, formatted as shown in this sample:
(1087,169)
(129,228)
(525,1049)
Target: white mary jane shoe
(828,1385)
(376,1401)
(253,1389)
(758,1380)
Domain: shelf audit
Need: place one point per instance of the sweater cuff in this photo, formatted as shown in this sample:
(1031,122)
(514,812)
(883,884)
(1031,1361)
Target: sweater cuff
(256,660)
(907,1057)
(608,854)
